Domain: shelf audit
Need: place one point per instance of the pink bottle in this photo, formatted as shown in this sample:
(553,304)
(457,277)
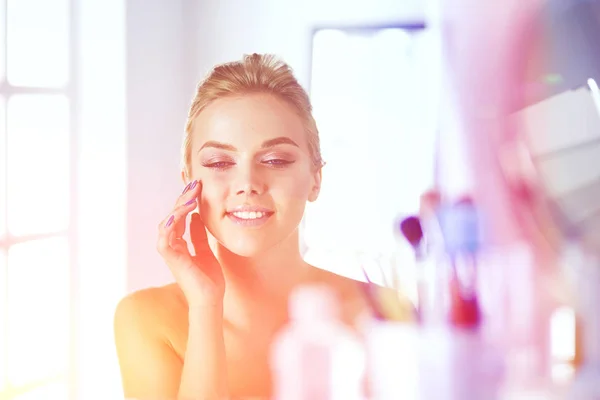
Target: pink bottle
(316,356)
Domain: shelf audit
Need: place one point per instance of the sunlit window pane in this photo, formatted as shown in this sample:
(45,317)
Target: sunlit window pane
(38,42)
(2,320)
(2,169)
(38,310)
(38,163)
(54,391)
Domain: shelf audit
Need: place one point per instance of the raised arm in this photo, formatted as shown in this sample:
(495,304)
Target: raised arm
(145,358)
(204,370)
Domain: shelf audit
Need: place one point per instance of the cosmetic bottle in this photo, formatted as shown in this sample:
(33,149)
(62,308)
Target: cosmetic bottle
(316,356)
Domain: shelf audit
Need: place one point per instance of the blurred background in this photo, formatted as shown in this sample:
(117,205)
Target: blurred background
(93,101)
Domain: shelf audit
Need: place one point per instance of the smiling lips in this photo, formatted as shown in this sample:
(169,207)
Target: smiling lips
(249,215)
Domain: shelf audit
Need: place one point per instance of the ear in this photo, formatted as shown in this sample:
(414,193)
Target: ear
(316,188)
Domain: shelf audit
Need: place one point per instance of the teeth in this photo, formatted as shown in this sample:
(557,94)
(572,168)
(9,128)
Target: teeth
(249,214)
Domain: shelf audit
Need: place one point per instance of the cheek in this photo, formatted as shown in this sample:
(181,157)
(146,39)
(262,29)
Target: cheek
(214,193)
(291,189)
(215,182)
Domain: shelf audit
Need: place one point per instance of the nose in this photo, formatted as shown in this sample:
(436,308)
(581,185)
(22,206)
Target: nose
(249,182)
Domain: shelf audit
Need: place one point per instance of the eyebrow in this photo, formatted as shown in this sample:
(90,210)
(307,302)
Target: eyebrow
(265,145)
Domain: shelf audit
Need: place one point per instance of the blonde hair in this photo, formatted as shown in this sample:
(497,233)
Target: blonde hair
(255,73)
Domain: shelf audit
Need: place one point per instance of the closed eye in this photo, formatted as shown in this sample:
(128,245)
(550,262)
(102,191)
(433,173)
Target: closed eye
(278,163)
(219,165)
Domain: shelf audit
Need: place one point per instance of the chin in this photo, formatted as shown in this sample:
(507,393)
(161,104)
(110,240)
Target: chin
(251,242)
(246,247)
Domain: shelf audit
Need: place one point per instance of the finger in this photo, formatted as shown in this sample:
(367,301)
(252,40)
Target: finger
(179,215)
(182,211)
(198,230)
(189,186)
(170,254)
(179,245)
(190,192)
(198,236)
(168,230)
(203,253)
(188,199)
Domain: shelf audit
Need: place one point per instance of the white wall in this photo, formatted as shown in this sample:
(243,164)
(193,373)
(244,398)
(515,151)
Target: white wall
(171,45)
(227,29)
(101,191)
(158,94)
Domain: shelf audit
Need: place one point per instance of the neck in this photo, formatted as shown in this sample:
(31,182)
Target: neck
(275,271)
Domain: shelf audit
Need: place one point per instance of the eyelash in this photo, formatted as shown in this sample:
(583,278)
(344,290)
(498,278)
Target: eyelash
(278,163)
(219,166)
(223,165)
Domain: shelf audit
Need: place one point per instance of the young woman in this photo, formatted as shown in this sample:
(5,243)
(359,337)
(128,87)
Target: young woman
(251,161)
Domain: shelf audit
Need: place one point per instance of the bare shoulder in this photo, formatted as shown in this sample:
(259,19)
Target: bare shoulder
(341,284)
(154,311)
(353,296)
(150,303)
(149,360)
(349,292)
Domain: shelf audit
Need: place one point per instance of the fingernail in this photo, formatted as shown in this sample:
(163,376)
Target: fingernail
(192,201)
(170,221)
(187,188)
(194,184)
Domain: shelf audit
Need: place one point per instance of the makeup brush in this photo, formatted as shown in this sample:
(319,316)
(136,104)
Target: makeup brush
(461,234)
(413,233)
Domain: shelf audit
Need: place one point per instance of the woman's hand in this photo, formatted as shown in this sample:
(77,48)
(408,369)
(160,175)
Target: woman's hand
(200,277)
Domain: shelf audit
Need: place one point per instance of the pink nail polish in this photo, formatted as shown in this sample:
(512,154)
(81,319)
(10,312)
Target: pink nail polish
(170,221)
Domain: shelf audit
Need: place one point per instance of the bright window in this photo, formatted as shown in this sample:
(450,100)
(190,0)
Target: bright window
(38,310)
(37,49)
(37,163)
(374,98)
(36,96)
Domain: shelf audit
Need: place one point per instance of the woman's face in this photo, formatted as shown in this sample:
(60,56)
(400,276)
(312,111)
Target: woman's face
(251,155)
